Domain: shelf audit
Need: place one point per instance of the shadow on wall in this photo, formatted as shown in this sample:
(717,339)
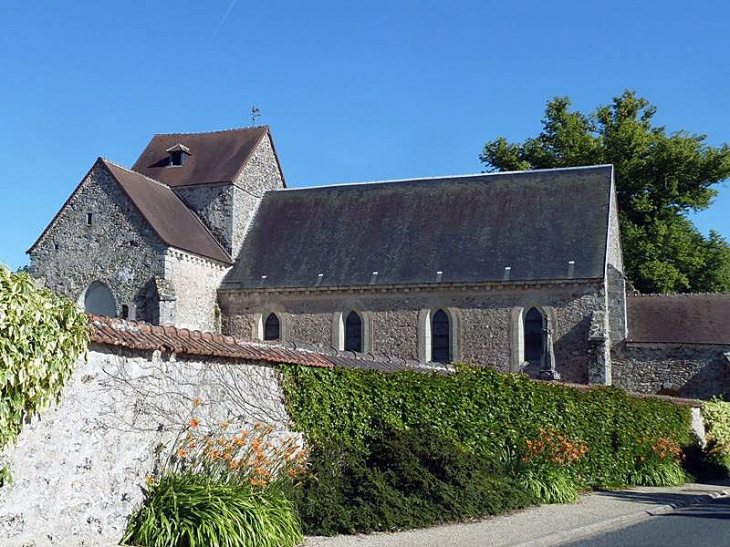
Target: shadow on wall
(571,353)
(709,381)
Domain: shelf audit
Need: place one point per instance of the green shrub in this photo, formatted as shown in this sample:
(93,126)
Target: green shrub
(716,414)
(190,510)
(41,337)
(344,412)
(407,479)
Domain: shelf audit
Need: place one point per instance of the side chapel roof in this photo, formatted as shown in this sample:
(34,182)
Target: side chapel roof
(468,228)
(214,157)
(679,318)
(170,218)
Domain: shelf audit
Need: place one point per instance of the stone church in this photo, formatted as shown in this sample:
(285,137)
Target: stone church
(520,271)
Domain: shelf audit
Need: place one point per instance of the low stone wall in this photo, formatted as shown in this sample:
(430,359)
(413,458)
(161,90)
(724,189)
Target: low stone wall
(699,371)
(78,470)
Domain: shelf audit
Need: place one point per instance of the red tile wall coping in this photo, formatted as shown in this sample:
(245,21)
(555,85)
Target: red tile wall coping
(142,336)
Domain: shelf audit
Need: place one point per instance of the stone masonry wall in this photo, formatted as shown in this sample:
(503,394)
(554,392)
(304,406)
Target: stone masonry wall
(485,319)
(78,471)
(213,203)
(196,282)
(118,249)
(260,175)
(690,370)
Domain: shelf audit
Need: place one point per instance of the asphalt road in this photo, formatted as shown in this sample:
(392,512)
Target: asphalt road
(705,525)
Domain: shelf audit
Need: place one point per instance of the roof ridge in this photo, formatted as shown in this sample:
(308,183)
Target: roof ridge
(443,177)
(265,126)
(128,170)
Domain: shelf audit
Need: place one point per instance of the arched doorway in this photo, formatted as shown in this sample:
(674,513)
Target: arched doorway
(98,299)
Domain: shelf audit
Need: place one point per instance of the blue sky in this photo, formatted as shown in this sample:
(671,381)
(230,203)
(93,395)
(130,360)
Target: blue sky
(353,91)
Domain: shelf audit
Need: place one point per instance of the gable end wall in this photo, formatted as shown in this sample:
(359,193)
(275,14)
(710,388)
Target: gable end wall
(119,248)
(260,175)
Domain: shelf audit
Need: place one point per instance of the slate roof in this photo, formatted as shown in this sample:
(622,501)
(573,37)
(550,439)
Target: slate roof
(680,319)
(168,216)
(141,336)
(215,157)
(469,228)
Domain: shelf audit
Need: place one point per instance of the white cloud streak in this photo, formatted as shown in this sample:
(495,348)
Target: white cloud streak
(223,19)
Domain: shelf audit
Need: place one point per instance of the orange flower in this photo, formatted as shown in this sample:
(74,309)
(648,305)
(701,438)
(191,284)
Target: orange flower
(197,401)
(194,423)
(182,452)
(225,425)
(149,479)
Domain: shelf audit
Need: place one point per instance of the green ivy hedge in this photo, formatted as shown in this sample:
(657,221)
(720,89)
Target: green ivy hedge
(41,337)
(486,411)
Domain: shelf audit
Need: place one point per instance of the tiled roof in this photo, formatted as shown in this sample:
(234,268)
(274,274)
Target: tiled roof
(680,319)
(169,217)
(141,336)
(217,156)
(517,226)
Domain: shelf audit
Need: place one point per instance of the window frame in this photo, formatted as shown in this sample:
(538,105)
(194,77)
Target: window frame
(517,332)
(339,333)
(265,336)
(425,333)
(350,328)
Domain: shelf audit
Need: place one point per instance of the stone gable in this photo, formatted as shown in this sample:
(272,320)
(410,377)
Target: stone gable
(118,248)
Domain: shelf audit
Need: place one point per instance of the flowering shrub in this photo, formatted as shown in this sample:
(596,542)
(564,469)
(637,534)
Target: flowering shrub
(551,448)
(545,466)
(658,463)
(222,484)
(245,455)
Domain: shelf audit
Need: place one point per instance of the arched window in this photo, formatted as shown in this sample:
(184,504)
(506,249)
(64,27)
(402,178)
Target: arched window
(271,327)
(353,332)
(440,338)
(99,300)
(533,334)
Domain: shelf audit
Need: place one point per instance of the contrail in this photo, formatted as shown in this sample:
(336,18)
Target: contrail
(223,19)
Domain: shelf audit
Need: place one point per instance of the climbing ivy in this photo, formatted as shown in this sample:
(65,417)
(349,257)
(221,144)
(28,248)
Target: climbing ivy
(41,337)
(486,411)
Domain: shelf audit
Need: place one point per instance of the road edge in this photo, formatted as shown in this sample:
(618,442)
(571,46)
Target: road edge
(582,532)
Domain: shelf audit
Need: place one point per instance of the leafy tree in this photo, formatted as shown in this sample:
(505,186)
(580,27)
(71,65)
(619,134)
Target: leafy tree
(660,177)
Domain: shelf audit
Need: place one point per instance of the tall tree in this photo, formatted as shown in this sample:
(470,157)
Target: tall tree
(660,177)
